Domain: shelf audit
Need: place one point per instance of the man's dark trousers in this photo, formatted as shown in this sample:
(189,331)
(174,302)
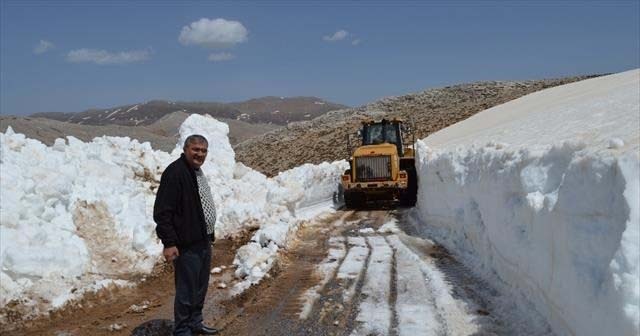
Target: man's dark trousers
(192,281)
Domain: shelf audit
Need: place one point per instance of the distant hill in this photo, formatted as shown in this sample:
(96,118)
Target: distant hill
(162,134)
(281,110)
(265,110)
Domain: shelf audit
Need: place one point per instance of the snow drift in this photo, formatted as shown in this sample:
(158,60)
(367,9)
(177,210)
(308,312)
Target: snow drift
(541,196)
(77,217)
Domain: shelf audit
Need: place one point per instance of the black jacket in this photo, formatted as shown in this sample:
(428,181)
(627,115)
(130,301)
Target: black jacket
(177,210)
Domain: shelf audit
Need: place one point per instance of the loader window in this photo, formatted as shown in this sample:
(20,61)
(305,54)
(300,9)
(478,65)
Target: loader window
(391,135)
(377,133)
(374,134)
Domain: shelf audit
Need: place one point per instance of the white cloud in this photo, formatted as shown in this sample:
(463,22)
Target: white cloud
(356,42)
(220,57)
(104,57)
(217,33)
(42,47)
(337,36)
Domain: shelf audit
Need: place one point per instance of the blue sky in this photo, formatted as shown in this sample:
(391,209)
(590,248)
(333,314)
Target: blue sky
(71,55)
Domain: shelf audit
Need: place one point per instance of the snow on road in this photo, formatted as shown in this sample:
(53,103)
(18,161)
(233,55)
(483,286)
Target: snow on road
(352,266)
(388,284)
(374,312)
(326,269)
(450,314)
(416,311)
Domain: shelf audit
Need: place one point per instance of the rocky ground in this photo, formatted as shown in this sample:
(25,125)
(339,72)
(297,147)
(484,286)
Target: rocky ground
(324,138)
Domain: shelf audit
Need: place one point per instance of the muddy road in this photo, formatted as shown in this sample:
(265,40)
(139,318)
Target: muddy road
(345,273)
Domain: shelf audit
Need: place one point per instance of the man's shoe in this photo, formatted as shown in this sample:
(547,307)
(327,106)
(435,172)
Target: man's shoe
(204,330)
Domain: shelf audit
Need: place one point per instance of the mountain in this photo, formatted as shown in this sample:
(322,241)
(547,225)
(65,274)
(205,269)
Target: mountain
(162,134)
(48,130)
(266,110)
(281,110)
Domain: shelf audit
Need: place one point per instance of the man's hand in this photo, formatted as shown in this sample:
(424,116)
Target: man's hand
(170,253)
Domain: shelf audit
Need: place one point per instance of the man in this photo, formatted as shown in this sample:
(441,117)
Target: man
(185,216)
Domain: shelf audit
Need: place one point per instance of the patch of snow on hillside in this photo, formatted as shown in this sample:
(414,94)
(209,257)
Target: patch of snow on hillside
(540,196)
(133,108)
(112,113)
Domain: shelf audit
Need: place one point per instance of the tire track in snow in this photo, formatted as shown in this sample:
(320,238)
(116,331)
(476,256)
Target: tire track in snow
(454,315)
(374,316)
(415,304)
(490,313)
(393,298)
(350,300)
(365,280)
(392,285)
(327,269)
(352,267)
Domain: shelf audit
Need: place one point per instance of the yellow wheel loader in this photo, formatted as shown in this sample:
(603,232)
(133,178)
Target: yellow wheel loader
(382,168)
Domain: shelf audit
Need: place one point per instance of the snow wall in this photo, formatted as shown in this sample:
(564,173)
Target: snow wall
(77,217)
(540,196)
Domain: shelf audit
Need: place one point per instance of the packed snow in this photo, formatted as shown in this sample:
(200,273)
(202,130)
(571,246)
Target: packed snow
(374,311)
(351,268)
(326,269)
(389,227)
(541,197)
(77,217)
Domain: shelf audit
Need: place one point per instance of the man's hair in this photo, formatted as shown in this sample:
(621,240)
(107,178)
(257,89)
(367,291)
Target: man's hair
(195,138)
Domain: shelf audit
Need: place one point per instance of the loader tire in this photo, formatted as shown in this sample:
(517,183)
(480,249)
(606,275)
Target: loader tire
(338,196)
(352,200)
(410,195)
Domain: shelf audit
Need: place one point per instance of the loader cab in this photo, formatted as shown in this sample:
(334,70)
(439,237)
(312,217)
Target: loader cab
(385,131)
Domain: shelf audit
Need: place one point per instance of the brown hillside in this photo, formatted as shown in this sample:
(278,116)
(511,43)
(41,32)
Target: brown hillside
(163,134)
(265,110)
(324,138)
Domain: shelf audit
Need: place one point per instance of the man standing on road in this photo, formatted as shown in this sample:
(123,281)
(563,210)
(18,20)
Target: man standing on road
(185,216)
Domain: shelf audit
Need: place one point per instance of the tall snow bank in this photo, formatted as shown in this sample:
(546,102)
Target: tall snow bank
(77,217)
(72,215)
(541,195)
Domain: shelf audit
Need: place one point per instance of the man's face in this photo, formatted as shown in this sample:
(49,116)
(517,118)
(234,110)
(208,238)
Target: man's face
(196,152)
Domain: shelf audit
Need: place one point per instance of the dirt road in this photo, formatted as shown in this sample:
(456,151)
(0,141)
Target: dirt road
(357,275)
(348,273)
